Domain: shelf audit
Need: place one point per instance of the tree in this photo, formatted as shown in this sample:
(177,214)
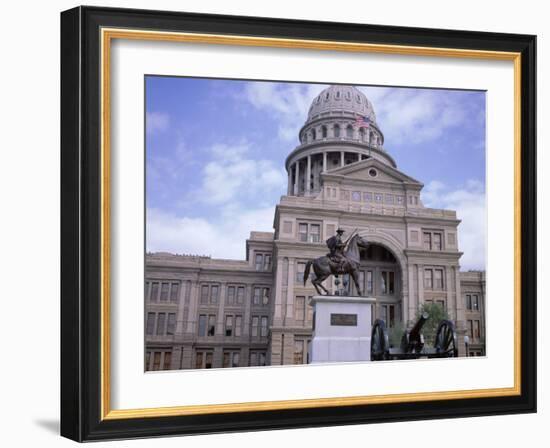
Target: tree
(437,313)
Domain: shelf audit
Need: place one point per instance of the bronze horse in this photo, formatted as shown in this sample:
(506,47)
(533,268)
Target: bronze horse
(324,267)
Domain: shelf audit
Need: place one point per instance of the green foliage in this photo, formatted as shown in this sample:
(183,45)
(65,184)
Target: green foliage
(395,334)
(437,313)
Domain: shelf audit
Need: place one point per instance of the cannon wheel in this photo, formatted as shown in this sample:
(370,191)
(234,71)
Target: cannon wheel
(446,343)
(379,342)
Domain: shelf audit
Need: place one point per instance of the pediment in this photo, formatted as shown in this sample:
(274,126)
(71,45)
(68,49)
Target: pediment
(371,170)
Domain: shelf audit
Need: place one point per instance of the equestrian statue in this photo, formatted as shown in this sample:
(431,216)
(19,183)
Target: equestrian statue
(343,258)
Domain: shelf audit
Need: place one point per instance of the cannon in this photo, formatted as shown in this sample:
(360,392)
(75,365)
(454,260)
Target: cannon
(412,342)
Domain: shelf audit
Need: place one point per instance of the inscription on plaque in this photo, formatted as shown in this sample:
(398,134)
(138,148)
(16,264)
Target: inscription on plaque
(347,320)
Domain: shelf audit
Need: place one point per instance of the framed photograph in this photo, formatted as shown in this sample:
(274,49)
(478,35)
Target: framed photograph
(277,224)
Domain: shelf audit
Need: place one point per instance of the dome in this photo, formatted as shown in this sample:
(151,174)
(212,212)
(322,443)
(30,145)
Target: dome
(339,98)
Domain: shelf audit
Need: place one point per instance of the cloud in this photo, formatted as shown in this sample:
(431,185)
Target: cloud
(156,122)
(221,238)
(289,103)
(415,115)
(233,175)
(469,203)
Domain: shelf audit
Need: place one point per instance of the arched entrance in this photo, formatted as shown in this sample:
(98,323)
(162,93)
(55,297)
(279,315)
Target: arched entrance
(381,277)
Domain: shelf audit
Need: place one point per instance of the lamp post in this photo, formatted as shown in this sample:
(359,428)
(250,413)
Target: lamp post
(466,343)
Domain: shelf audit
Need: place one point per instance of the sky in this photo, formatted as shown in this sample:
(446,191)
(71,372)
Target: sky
(215,152)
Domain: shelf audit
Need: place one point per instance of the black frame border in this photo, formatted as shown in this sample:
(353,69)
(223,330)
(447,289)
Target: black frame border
(81,223)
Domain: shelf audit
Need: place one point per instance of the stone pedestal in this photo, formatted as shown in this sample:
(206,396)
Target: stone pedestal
(341,329)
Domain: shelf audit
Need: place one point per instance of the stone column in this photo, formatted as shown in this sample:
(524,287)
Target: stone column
(288,315)
(412,305)
(324,161)
(181,308)
(289,185)
(193,304)
(220,330)
(308,175)
(278,306)
(420,284)
(296,174)
(449,287)
(342,158)
(247,301)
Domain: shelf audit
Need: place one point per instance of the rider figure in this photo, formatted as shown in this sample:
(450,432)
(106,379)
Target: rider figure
(336,247)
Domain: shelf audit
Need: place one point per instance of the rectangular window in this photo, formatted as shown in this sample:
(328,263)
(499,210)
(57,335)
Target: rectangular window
(475,302)
(309,310)
(437,241)
(164,292)
(171,325)
(156,360)
(468,302)
(147,360)
(259,262)
(253,361)
(438,278)
(441,303)
(257,297)
(231,295)
(204,293)
(202,325)
(150,326)
(314,233)
(198,360)
(154,291)
(226,359)
(367,197)
(211,325)
(389,199)
(240,295)
(299,309)
(208,360)
(263,332)
(267,262)
(174,291)
(254,330)
(377,197)
(387,283)
(214,294)
(427,241)
(302,230)
(356,196)
(265,296)
(370,289)
(399,199)
(300,268)
(428,279)
(238,325)
(470,328)
(298,351)
(161,322)
(477,333)
(229,325)
(167,360)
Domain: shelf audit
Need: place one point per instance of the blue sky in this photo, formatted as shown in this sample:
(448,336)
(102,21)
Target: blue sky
(215,152)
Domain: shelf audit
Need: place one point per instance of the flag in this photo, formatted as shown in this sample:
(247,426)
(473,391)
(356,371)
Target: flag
(361,121)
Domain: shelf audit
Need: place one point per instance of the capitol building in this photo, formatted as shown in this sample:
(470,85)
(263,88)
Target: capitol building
(202,312)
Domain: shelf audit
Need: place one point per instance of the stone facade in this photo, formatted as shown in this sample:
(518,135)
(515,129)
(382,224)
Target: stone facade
(203,312)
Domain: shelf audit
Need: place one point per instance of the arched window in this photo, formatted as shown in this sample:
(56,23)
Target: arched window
(324,132)
(326,96)
(336,131)
(362,134)
(349,131)
(358,98)
(348,95)
(338,95)
(313,134)
(318,99)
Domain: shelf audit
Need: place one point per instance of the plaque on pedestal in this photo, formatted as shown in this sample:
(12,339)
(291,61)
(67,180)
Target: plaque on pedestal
(341,329)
